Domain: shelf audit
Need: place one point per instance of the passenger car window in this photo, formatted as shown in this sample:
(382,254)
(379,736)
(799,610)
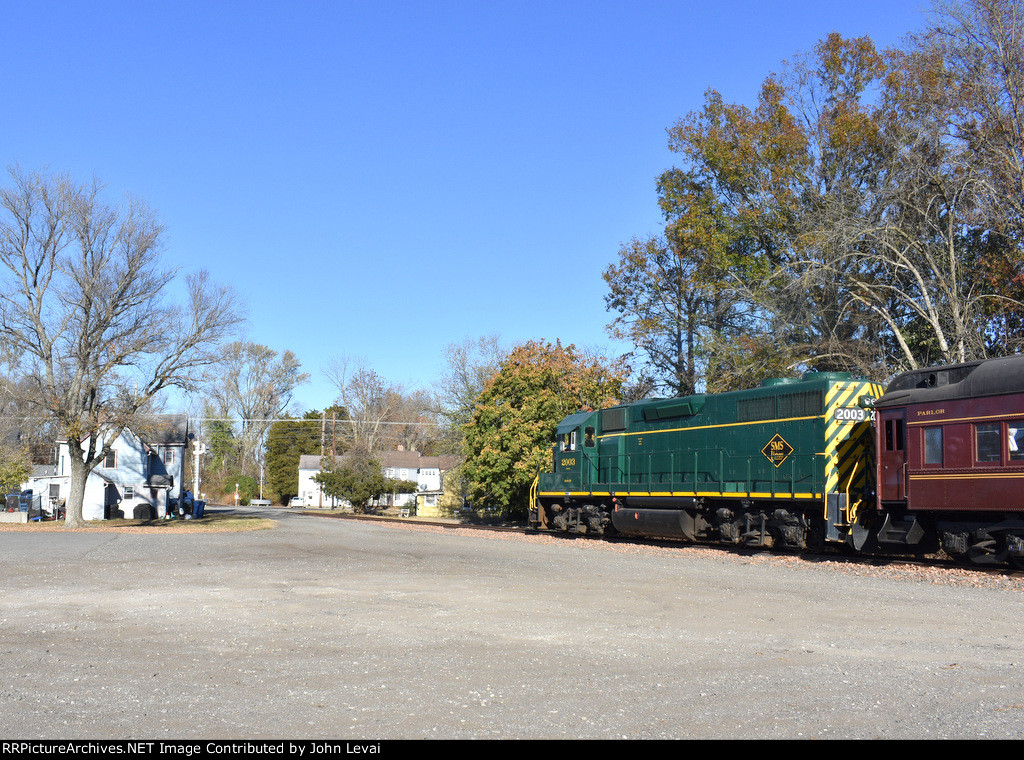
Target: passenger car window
(933,445)
(894,435)
(1016,443)
(987,442)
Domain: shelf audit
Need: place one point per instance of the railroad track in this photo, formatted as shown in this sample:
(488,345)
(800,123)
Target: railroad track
(929,561)
(419,522)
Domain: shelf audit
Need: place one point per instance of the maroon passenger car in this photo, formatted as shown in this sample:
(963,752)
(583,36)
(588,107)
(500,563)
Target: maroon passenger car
(950,460)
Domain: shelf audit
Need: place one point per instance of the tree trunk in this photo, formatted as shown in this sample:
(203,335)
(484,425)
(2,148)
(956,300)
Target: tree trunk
(76,493)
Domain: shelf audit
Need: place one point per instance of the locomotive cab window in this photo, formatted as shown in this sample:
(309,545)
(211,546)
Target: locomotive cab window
(588,437)
(933,445)
(987,443)
(569,441)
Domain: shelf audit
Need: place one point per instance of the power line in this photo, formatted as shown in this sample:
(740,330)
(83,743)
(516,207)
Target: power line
(316,421)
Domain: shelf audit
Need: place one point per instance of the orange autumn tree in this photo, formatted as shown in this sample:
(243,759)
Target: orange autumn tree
(513,425)
(864,215)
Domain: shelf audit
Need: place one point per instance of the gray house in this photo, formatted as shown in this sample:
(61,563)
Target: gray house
(138,478)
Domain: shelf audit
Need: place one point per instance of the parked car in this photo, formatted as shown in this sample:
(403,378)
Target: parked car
(297,501)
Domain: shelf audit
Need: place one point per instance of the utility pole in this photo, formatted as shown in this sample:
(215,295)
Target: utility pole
(323,433)
(195,473)
(198,450)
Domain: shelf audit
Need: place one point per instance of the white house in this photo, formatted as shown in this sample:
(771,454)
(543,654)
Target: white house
(426,472)
(137,479)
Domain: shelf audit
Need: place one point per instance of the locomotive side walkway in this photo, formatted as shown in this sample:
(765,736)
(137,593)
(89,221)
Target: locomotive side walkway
(352,630)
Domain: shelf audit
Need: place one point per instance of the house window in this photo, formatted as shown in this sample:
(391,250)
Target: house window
(168,456)
(933,445)
(987,441)
(129,492)
(110,460)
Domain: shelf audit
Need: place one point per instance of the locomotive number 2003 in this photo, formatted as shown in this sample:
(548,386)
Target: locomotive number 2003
(569,462)
(853,415)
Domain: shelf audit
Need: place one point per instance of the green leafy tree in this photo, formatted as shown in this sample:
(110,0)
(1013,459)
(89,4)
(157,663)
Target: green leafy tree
(979,48)
(671,303)
(15,467)
(289,439)
(513,425)
(247,487)
(356,478)
(221,452)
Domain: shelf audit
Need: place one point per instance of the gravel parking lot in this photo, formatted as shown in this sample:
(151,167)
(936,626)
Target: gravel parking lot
(338,629)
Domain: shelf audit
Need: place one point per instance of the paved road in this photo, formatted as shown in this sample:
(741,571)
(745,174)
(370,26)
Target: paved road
(339,629)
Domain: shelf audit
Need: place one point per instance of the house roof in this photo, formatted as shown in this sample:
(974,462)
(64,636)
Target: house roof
(165,429)
(159,429)
(44,470)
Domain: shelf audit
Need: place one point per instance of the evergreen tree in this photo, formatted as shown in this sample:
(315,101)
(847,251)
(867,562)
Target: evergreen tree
(291,438)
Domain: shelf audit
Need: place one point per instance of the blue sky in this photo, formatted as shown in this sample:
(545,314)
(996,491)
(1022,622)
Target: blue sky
(380,179)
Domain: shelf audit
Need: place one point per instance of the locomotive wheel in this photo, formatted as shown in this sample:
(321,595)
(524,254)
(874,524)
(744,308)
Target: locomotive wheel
(1014,543)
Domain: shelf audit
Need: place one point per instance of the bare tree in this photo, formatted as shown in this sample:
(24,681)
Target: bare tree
(926,232)
(981,43)
(381,414)
(470,364)
(257,387)
(915,274)
(85,305)
(369,398)
(413,423)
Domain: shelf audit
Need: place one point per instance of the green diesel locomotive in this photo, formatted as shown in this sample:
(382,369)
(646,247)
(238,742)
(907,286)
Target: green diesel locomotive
(787,464)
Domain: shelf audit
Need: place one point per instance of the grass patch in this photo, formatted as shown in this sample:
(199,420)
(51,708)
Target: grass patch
(210,523)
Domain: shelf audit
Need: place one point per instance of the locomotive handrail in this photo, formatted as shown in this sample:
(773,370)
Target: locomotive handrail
(849,482)
(620,468)
(713,469)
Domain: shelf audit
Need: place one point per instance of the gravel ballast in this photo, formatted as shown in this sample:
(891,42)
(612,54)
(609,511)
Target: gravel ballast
(323,628)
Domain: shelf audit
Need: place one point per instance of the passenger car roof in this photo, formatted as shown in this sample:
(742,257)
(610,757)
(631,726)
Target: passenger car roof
(989,377)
